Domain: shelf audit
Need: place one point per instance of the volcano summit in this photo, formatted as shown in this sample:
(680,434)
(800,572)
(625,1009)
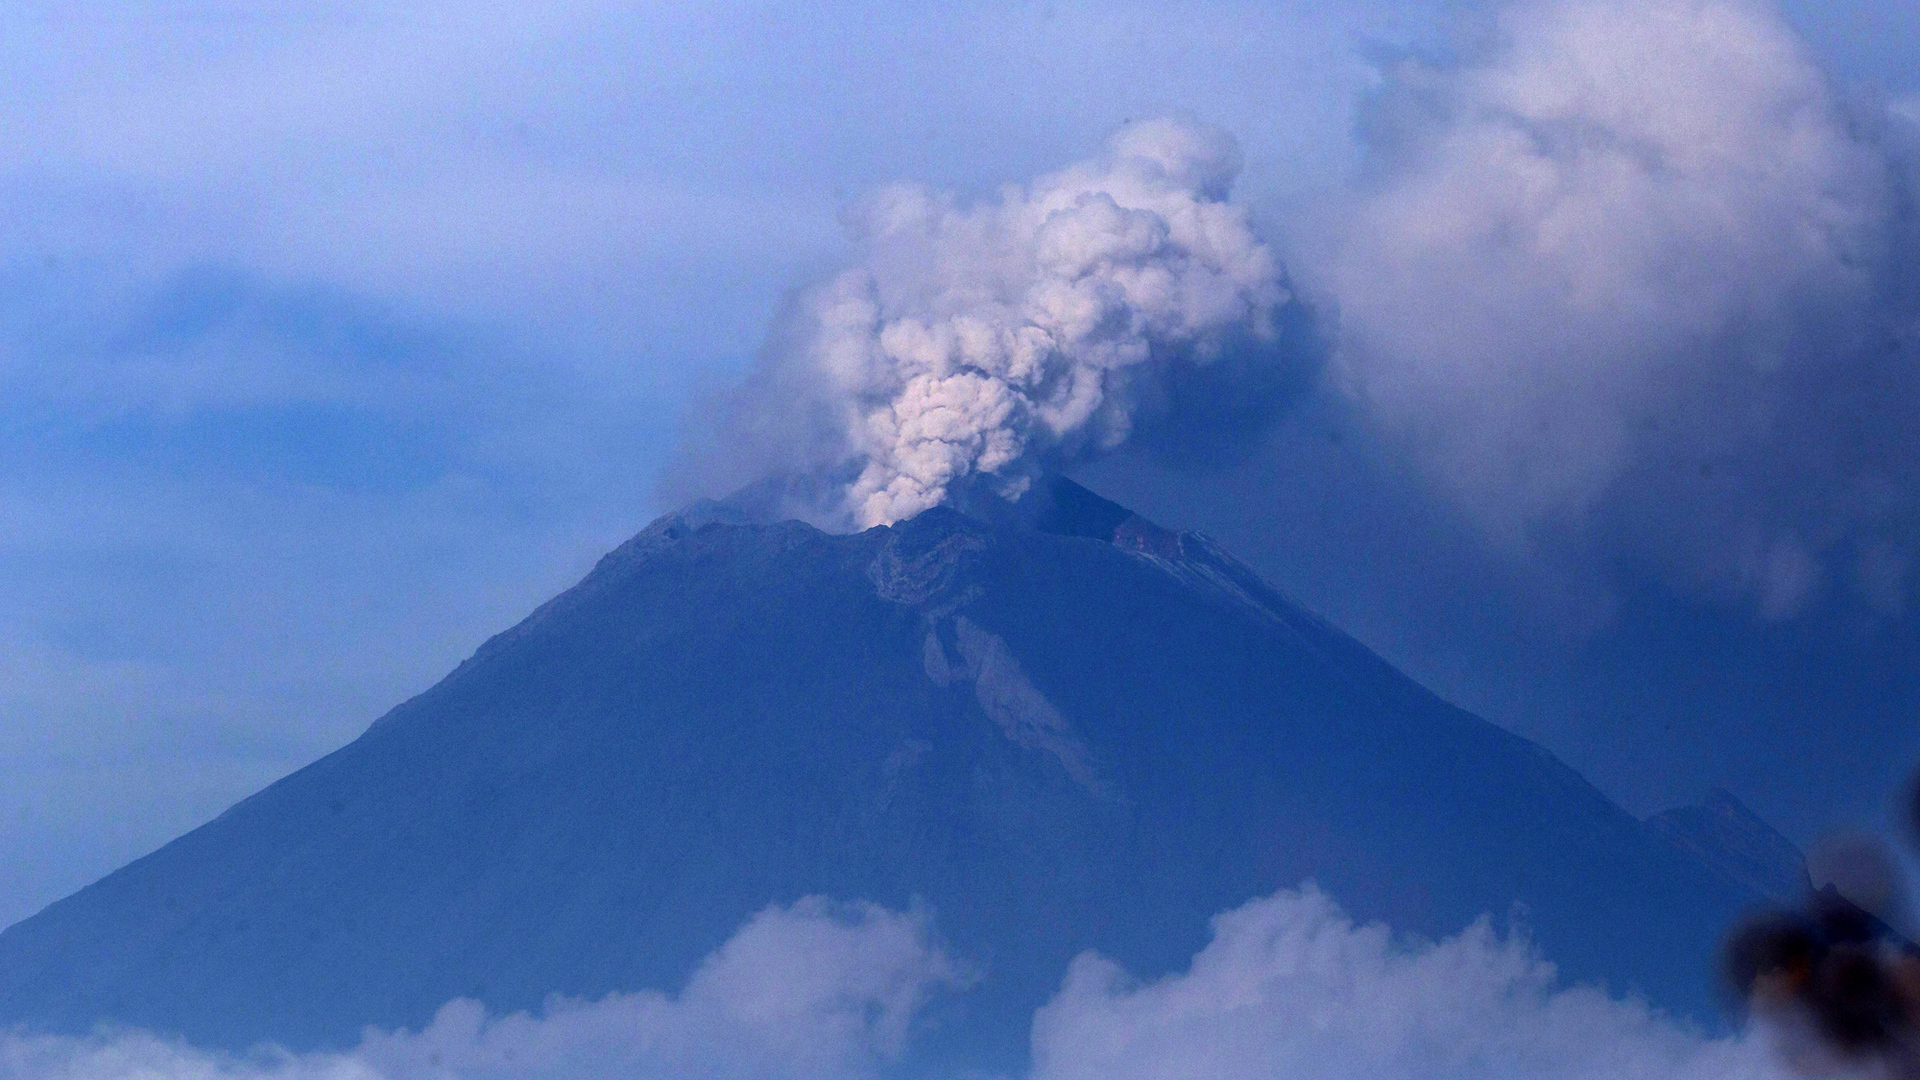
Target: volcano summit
(1054,724)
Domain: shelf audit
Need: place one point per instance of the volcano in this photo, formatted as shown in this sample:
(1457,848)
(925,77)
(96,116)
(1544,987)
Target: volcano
(1054,724)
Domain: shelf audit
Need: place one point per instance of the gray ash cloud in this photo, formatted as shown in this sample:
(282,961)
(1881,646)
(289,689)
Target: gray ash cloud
(987,343)
(1639,273)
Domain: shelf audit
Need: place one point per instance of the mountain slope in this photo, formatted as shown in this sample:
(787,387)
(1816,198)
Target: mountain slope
(1062,729)
(1722,833)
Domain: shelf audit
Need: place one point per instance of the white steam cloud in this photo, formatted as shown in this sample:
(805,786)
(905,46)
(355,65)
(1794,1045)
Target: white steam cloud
(1637,269)
(1000,339)
(1289,988)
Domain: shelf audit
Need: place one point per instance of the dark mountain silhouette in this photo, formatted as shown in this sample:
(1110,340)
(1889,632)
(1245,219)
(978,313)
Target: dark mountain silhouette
(1058,725)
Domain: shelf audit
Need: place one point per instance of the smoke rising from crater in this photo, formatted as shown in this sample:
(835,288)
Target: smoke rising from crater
(986,343)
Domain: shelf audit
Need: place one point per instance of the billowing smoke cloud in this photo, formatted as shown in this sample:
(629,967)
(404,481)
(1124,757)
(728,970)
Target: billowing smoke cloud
(986,343)
(1288,988)
(1635,271)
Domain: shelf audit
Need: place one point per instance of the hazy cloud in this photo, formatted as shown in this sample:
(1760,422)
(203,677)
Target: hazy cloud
(1635,270)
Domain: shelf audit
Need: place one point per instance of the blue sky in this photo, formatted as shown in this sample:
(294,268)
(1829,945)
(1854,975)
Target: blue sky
(334,339)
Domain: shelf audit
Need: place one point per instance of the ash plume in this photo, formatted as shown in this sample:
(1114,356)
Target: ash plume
(983,344)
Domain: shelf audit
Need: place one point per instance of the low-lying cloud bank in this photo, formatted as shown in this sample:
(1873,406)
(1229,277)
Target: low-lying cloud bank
(1640,272)
(817,989)
(1289,987)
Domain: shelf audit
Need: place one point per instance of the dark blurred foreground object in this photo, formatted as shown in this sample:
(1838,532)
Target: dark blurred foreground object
(1857,980)
(1842,985)
(1058,725)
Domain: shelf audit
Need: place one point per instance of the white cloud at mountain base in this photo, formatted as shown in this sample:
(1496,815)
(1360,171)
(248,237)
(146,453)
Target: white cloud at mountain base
(1288,988)
(814,990)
